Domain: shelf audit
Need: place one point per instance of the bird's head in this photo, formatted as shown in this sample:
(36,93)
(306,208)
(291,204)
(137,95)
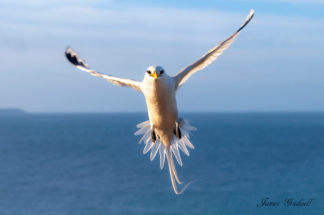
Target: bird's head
(154,72)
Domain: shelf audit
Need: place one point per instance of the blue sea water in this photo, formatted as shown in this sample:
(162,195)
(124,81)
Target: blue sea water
(88,164)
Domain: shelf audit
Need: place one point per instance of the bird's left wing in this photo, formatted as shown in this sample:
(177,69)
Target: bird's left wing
(73,58)
(209,57)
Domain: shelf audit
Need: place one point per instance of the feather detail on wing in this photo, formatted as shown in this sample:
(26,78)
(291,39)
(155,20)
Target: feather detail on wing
(75,60)
(209,57)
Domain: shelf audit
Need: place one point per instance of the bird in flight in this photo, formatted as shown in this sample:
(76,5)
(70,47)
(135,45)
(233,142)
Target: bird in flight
(164,132)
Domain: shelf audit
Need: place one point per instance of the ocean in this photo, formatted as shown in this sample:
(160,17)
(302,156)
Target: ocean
(91,164)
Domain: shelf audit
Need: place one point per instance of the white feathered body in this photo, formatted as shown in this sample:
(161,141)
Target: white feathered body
(162,106)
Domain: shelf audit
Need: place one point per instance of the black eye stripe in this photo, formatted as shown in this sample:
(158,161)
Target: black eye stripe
(162,72)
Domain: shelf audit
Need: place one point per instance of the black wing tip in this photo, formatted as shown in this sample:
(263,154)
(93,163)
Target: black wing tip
(69,55)
(74,59)
(248,19)
(69,51)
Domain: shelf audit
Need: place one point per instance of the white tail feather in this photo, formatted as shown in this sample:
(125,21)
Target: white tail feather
(162,155)
(189,128)
(148,147)
(187,142)
(184,132)
(173,173)
(144,136)
(183,147)
(143,124)
(174,170)
(155,149)
(175,151)
(143,130)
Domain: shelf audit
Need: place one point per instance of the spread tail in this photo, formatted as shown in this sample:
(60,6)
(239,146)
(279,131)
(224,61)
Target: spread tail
(166,151)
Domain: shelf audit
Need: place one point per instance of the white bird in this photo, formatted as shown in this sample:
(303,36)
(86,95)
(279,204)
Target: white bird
(164,131)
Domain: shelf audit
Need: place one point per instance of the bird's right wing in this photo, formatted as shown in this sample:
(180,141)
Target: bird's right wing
(74,59)
(209,57)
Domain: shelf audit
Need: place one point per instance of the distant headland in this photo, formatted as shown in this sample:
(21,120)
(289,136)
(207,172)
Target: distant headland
(7,111)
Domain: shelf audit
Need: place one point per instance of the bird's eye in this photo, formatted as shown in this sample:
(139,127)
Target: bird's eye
(149,72)
(162,72)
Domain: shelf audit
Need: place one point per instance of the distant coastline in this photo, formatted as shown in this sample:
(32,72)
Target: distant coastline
(7,111)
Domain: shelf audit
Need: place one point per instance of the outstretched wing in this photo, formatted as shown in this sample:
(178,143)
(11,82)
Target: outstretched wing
(73,58)
(209,57)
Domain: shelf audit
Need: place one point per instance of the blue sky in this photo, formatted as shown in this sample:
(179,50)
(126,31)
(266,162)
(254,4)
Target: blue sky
(275,64)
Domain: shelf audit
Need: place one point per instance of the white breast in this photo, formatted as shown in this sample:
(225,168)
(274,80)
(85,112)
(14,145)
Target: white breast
(160,100)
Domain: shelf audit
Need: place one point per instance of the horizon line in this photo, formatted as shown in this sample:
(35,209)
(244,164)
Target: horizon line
(183,112)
